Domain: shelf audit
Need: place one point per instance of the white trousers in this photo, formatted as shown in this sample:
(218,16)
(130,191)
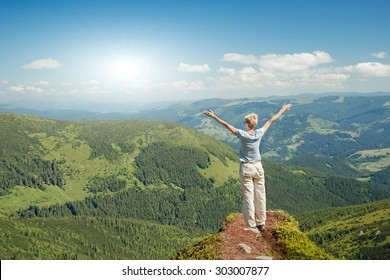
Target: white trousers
(253,192)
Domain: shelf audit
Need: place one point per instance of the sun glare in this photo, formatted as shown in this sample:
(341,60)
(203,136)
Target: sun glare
(125,69)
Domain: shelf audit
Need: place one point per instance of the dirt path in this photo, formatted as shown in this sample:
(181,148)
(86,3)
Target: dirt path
(240,244)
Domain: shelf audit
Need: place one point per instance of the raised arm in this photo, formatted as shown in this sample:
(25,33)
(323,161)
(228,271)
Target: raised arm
(284,108)
(211,114)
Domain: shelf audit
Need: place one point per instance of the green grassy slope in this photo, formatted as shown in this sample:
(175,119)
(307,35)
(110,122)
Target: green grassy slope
(353,232)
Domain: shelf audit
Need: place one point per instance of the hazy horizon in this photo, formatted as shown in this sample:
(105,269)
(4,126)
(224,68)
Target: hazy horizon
(112,106)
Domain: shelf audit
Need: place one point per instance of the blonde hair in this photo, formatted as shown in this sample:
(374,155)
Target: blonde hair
(251,119)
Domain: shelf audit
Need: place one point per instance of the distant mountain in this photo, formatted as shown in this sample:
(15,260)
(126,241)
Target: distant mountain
(112,175)
(125,107)
(79,115)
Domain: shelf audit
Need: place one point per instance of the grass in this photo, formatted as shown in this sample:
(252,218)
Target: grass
(372,160)
(352,232)
(21,198)
(349,235)
(220,172)
(205,249)
(321,126)
(297,246)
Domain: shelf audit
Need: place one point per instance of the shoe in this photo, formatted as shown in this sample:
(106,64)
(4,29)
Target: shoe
(260,227)
(253,229)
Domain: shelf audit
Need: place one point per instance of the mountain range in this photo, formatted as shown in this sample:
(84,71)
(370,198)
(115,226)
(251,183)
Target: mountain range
(136,189)
(343,133)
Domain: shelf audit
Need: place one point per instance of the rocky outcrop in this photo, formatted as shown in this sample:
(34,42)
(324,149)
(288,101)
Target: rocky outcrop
(280,240)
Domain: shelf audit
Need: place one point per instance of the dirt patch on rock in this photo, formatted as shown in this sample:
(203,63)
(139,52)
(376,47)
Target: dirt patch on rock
(263,245)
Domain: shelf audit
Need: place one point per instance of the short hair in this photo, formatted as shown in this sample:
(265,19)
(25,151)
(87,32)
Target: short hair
(251,119)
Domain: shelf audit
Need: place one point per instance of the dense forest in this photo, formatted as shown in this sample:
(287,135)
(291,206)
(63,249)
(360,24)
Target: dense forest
(89,238)
(28,172)
(163,163)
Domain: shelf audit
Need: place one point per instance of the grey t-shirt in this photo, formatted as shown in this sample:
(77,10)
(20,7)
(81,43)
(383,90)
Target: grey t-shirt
(250,145)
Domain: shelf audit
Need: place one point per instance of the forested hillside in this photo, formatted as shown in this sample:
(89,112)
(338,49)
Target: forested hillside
(134,184)
(352,232)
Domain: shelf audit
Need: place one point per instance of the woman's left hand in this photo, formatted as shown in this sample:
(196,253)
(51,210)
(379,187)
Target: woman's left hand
(209,113)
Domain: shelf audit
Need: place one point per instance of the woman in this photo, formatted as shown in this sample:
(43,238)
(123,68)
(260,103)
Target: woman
(251,169)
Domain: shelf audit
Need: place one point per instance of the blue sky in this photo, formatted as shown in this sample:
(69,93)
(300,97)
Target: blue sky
(171,50)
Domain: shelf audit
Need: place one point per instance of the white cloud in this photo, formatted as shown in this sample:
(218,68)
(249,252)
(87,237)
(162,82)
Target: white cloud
(241,58)
(34,89)
(370,69)
(3,82)
(67,84)
(26,89)
(294,62)
(44,83)
(282,63)
(379,54)
(287,71)
(40,64)
(228,71)
(248,71)
(92,89)
(183,67)
(332,76)
(18,88)
(184,85)
(91,82)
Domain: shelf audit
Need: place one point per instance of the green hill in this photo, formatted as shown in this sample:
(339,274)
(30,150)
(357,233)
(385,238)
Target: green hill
(353,232)
(134,181)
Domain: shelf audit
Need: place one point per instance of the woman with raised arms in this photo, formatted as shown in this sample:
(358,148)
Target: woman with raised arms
(251,168)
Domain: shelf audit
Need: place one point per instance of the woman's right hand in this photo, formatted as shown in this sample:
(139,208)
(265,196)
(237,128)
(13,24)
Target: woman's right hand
(286,107)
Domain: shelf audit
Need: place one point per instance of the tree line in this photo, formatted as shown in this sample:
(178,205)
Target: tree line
(28,171)
(193,209)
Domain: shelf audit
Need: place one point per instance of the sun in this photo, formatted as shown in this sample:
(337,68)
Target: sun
(125,69)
